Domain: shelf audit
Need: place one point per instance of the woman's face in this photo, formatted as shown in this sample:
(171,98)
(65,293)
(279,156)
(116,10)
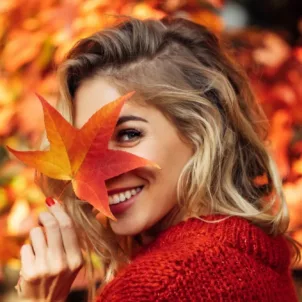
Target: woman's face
(143,130)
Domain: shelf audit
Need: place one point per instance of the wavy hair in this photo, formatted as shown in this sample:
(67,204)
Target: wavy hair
(182,69)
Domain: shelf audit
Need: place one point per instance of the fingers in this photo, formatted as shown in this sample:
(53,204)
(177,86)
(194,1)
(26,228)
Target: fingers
(53,233)
(53,258)
(38,242)
(56,257)
(27,262)
(69,237)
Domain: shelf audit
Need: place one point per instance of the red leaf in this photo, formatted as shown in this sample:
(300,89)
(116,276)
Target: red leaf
(82,155)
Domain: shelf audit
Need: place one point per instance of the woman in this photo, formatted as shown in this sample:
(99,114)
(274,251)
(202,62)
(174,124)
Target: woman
(208,226)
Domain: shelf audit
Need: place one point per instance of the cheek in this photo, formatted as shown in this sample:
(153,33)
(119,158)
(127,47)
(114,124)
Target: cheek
(171,157)
(150,149)
(169,153)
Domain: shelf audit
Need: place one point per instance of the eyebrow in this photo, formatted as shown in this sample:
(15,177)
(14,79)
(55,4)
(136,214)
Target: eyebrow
(126,118)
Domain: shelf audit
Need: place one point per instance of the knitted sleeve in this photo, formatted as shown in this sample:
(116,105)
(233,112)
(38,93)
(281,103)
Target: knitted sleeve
(219,273)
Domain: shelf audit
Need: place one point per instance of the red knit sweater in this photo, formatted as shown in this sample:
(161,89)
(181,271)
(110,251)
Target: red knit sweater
(232,260)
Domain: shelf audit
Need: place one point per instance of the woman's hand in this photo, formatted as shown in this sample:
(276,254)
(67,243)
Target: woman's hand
(52,260)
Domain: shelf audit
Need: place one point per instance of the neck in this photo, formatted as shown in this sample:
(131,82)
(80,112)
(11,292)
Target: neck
(172,218)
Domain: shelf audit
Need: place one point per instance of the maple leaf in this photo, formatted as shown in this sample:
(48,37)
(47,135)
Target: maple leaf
(82,155)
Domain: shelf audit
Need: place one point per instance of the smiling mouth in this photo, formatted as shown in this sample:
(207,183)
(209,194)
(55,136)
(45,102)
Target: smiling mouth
(123,195)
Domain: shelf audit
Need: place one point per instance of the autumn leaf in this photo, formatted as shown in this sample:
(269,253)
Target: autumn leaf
(82,155)
(24,47)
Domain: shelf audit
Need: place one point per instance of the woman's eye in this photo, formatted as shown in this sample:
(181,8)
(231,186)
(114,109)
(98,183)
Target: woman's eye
(128,135)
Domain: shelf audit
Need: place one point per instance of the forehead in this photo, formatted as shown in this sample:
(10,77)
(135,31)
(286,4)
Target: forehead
(95,93)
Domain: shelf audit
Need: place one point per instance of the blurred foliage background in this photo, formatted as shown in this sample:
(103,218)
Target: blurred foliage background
(264,36)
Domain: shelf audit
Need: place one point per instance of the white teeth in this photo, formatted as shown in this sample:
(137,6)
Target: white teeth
(122,197)
(117,198)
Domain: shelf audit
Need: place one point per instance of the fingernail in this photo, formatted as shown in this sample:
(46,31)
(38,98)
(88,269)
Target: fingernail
(49,201)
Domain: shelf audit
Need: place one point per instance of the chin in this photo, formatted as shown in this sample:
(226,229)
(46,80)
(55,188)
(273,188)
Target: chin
(124,228)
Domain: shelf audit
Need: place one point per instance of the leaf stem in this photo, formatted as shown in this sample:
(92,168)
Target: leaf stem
(64,188)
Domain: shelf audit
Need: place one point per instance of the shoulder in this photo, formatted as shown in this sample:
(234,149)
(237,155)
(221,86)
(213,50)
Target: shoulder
(195,260)
(178,275)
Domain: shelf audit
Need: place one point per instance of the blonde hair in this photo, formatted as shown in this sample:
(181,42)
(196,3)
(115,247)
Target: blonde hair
(181,68)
